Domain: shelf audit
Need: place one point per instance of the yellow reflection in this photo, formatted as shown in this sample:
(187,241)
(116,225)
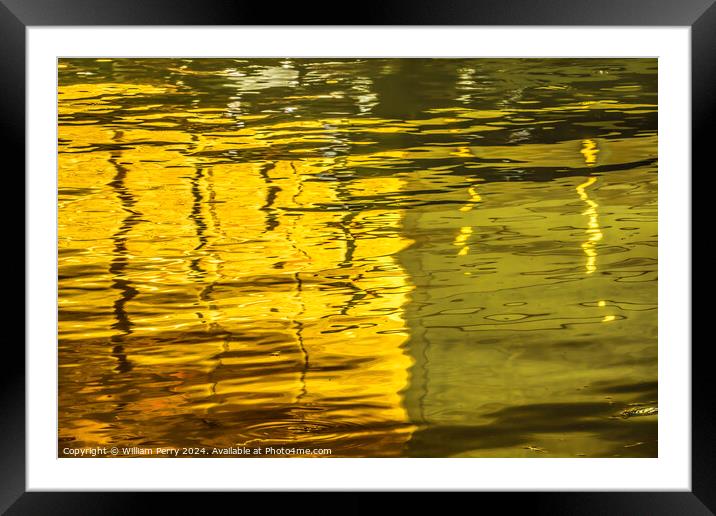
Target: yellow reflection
(464,234)
(235,282)
(222,284)
(461,240)
(593,231)
(474,199)
(589,151)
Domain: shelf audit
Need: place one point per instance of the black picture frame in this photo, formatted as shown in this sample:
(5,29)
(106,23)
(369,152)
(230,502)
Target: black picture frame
(17,15)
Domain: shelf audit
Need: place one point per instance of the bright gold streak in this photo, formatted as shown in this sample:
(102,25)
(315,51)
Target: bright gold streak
(594,232)
(474,199)
(590,151)
(461,240)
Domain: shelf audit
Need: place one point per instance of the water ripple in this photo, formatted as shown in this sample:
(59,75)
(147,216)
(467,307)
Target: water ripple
(384,257)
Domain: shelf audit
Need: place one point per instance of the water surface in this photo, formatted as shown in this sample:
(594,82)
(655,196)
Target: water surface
(379,257)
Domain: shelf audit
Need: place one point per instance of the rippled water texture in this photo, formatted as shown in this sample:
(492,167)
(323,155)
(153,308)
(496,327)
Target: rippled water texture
(383,257)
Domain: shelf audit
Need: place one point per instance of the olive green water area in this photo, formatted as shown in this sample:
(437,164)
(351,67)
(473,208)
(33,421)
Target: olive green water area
(374,257)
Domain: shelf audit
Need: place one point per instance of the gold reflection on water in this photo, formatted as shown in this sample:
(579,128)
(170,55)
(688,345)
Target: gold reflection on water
(310,324)
(270,253)
(594,232)
(461,240)
(463,236)
(589,151)
(474,199)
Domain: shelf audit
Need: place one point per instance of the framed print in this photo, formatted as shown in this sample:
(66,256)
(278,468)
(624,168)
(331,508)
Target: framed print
(429,248)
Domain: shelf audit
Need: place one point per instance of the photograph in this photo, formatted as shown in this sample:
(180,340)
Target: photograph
(369,257)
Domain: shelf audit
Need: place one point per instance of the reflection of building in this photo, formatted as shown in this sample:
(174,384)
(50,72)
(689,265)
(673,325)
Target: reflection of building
(320,285)
(275,308)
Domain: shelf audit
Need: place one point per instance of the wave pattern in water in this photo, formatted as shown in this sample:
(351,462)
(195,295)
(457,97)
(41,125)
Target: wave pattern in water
(384,257)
